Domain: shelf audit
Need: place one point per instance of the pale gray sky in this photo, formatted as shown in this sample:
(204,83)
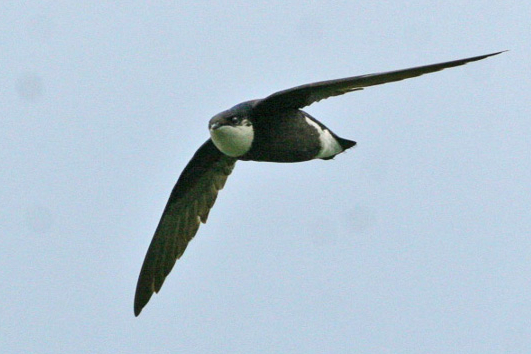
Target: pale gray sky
(416,241)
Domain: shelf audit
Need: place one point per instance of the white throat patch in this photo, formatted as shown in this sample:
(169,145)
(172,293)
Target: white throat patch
(329,145)
(233,141)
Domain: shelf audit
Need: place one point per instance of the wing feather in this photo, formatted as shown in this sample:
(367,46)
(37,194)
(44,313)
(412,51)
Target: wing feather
(189,204)
(305,95)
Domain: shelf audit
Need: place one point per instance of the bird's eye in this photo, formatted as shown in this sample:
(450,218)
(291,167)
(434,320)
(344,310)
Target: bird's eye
(234,120)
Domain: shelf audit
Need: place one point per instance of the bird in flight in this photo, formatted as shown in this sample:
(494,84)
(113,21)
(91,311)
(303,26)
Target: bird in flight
(272,129)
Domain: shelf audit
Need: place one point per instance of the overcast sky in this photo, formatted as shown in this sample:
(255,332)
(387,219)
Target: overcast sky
(416,241)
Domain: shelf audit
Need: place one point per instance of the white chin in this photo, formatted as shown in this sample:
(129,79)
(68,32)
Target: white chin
(233,141)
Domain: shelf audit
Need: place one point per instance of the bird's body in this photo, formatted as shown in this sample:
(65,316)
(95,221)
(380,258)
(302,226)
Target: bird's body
(273,129)
(289,136)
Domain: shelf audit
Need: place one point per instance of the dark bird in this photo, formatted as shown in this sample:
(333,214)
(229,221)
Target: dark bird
(273,129)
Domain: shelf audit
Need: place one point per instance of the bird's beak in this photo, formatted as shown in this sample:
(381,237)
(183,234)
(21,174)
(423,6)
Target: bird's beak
(215,125)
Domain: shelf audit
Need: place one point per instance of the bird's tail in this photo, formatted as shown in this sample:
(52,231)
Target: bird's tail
(345,143)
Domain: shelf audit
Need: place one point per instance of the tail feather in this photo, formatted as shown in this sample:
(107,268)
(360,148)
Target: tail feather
(345,143)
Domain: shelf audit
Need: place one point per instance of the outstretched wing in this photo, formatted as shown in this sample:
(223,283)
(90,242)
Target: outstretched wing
(190,202)
(305,95)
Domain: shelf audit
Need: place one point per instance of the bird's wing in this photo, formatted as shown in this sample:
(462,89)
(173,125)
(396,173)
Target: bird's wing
(305,95)
(190,202)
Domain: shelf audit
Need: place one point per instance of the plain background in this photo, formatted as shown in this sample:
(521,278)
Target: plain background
(416,241)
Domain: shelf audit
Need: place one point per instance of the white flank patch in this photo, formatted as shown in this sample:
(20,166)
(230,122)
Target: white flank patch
(233,141)
(329,145)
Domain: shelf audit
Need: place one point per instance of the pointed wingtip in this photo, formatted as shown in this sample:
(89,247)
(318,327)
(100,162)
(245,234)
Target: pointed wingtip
(141,300)
(501,51)
(142,295)
(480,57)
(496,53)
(137,308)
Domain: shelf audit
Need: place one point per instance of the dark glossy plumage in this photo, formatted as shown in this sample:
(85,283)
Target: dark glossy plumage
(305,95)
(190,202)
(196,190)
(286,137)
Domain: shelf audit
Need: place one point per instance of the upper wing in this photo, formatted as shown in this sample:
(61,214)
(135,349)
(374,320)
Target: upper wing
(189,204)
(305,95)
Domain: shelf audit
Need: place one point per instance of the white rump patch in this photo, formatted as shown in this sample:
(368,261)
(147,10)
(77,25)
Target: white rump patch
(329,145)
(233,141)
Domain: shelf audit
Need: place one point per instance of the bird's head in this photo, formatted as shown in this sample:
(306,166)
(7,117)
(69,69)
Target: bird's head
(232,130)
